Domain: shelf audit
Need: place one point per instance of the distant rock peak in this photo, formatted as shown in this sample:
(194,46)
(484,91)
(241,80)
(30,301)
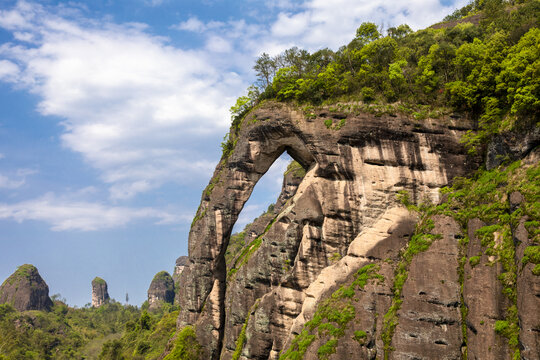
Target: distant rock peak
(161,290)
(25,289)
(100,294)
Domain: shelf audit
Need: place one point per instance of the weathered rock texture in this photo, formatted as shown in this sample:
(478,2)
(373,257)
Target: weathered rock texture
(161,290)
(26,290)
(342,216)
(100,294)
(179,267)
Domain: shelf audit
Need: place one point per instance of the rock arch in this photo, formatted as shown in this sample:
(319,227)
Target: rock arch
(355,170)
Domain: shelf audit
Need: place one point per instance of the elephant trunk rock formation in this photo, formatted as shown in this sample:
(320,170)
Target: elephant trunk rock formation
(342,215)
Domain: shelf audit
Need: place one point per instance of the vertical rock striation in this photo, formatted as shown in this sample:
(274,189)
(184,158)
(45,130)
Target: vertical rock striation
(100,294)
(339,217)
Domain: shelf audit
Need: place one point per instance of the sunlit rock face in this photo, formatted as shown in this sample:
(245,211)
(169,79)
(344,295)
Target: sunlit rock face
(100,295)
(342,214)
(25,290)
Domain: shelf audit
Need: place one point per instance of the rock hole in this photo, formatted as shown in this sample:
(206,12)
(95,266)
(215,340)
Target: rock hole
(441,342)
(260,209)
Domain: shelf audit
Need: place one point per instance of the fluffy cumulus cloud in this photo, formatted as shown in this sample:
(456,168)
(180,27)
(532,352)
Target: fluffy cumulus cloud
(68,214)
(141,111)
(316,24)
(132,105)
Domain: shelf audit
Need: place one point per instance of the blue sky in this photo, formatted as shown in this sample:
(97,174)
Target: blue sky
(112,114)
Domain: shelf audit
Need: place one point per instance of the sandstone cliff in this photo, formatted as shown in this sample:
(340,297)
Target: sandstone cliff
(26,290)
(161,290)
(343,216)
(100,295)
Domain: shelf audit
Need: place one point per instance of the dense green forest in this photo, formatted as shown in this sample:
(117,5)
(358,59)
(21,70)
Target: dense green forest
(484,61)
(111,331)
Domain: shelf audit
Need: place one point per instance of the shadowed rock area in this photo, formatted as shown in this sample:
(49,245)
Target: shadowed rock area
(161,290)
(26,290)
(342,215)
(100,294)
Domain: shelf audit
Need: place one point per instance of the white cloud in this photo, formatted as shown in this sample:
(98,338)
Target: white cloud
(8,71)
(191,24)
(140,110)
(218,44)
(131,102)
(2,156)
(291,24)
(6,183)
(20,174)
(64,215)
(323,23)
(314,24)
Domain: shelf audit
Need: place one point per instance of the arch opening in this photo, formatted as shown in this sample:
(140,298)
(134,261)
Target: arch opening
(269,195)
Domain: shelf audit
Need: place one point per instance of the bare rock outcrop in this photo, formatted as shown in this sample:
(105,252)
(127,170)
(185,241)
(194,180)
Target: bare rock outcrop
(25,290)
(338,218)
(100,295)
(161,290)
(179,267)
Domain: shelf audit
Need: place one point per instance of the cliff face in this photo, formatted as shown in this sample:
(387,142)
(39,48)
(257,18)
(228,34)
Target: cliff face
(343,215)
(25,289)
(100,294)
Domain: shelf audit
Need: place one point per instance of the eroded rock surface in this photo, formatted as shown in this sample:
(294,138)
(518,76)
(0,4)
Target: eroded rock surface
(25,290)
(100,295)
(308,246)
(161,290)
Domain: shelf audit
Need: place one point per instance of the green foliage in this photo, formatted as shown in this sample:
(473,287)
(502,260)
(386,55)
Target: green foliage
(162,276)
(419,242)
(532,255)
(62,333)
(296,169)
(490,70)
(484,196)
(368,94)
(186,346)
(331,318)
(99,281)
(520,77)
(242,337)
(112,350)
(148,337)
(249,249)
(23,272)
(474,260)
(465,11)
(360,336)
(236,243)
(111,331)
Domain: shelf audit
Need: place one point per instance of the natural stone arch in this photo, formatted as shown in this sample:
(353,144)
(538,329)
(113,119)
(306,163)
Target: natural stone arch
(234,179)
(354,174)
